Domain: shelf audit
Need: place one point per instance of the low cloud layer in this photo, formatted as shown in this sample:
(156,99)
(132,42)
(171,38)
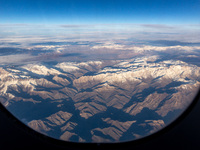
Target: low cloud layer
(145,47)
(17,59)
(23,33)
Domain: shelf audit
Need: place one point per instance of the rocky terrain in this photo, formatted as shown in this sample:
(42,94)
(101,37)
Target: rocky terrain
(99,101)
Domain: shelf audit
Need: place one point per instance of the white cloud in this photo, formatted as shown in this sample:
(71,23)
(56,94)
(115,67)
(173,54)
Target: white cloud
(109,45)
(161,48)
(145,47)
(15,59)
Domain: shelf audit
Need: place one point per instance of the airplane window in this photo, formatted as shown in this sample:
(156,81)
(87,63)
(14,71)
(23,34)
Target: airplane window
(103,71)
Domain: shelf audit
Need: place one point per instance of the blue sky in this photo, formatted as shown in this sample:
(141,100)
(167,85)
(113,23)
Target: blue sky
(100,11)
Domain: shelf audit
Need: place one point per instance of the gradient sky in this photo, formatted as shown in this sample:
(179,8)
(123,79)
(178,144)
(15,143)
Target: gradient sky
(100,11)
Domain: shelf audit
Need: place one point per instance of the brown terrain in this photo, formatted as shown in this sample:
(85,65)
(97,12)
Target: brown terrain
(99,101)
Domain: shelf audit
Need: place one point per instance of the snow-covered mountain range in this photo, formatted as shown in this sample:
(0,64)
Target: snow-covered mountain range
(99,101)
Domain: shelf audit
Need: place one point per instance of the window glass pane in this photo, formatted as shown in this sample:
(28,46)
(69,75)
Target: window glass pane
(99,71)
